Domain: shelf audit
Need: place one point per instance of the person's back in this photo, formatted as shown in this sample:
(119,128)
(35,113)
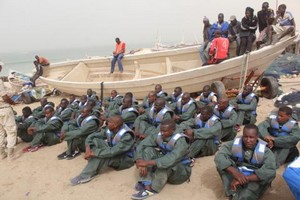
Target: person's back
(220,45)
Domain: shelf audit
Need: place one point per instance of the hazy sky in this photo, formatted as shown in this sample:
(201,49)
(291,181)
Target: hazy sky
(50,24)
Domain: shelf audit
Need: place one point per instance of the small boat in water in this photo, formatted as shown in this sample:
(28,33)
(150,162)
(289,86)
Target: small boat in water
(168,67)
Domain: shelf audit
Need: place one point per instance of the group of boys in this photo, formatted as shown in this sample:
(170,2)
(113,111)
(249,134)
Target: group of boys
(164,134)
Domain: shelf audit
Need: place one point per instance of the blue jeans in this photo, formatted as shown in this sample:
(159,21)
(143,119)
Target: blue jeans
(204,48)
(114,60)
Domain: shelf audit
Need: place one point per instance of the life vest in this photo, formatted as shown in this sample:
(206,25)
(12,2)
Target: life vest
(161,93)
(83,122)
(113,141)
(207,99)
(182,109)
(156,120)
(246,100)
(126,110)
(81,104)
(65,110)
(175,99)
(168,147)
(258,155)
(276,130)
(225,114)
(208,124)
(52,119)
(28,118)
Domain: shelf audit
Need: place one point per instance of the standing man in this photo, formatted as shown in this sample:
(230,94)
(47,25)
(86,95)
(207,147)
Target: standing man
(8,126)
(207,37)
(118,54)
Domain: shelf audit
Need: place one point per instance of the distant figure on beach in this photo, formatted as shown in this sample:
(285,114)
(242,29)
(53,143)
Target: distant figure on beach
(39,63)
(118,55)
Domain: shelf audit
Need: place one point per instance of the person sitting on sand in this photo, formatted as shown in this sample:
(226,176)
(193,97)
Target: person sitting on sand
(161,158)
(149,122)
(45,131)
(118,55)
(246,165)
(206,98)
(160,92)
(204,132)
(185,108)
(39,111)
(148,102)
(75,133)
(111,147)
(245,105)
(23,123)
(228,118)
(282,134)
(112,102)
(174,97)
(64,111)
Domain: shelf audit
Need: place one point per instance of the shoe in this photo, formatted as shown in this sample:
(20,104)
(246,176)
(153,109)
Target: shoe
(26,149)
(73,155)
(79,180)
(139,186)
(35,148)
(11,155)
(143,194)
(62,156)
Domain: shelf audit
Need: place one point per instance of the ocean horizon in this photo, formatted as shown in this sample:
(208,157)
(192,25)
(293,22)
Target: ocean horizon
(22,61)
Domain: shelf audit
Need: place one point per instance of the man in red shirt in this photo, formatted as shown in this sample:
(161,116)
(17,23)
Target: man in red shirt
(219,49)
(118,54)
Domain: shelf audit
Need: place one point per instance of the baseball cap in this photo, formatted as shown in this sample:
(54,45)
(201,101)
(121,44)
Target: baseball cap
(232,17)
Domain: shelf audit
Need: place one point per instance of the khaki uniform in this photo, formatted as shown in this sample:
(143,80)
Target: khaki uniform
(8,126)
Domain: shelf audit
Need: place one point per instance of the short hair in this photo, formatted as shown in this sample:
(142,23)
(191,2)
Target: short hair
(178,88)
(287,110)
(169,122)
(207,109)
(49,107)
(27,109)
(251,126)
(282,6)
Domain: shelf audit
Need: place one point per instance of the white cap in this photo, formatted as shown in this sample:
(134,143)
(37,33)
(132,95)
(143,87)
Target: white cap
(232,17)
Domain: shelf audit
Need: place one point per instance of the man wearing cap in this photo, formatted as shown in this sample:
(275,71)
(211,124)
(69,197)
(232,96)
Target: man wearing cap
(207,37)
(233,32)
(8,126)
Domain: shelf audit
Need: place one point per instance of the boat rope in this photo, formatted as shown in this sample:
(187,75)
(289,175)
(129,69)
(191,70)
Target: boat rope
(244,70)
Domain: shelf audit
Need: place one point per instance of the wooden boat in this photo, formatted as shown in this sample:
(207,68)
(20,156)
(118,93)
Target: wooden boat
(170,68)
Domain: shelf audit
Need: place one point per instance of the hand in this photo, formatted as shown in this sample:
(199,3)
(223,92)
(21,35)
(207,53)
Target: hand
(62,135)
(31,130)
(141,110)
(234,185)
(88,153)
(142,136)
(176,117)
(271,144)
(269,138)
(240,177)
(143,171)
(141,163)
(189,133)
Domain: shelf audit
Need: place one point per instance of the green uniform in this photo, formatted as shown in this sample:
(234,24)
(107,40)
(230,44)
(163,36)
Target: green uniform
(113,103)
(205,101)
(149,122)
(172,163)
(77,132)
(47,131)
(228,118)
(111,150)
(206,135)
(265,169)
(162,94)
(247,108)
(286,136)
(23,125)
(128,115)
(39,111)
(172,100)
(64,114)
(185,112)
(146,104)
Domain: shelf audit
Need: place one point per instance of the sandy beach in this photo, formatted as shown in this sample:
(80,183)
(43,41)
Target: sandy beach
(39,175)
